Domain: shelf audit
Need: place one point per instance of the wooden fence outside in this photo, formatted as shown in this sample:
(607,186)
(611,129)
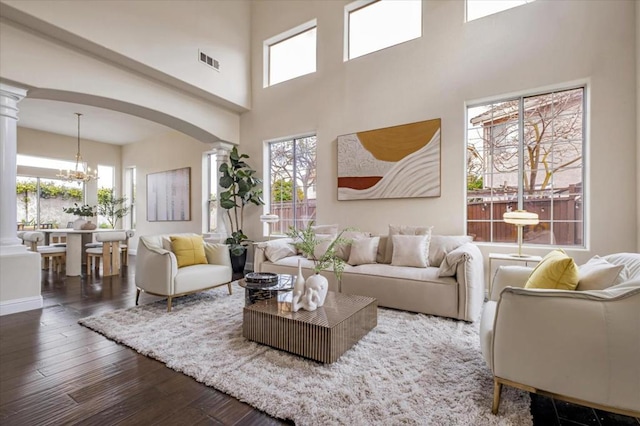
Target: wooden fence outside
(303,212)
(567,227)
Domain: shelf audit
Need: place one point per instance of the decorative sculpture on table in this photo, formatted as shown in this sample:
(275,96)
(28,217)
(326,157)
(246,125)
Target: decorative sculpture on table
(311,293)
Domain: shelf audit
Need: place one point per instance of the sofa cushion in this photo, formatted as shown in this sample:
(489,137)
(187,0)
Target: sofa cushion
(429,274)
(189,250)
(555,271)
(440,245)
(343,250)
(403,230)
(363,250)
(410,250)
(597,274)
(631,262)
(278,249)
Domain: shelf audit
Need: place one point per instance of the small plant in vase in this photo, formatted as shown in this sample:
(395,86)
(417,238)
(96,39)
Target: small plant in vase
(82,212)
(316,286)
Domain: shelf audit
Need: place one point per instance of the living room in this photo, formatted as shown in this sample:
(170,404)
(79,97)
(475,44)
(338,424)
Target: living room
(132,58)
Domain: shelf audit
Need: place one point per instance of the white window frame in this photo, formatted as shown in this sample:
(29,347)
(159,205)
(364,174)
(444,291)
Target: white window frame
(360,4)
(584,85)
(266,45)
(267,184)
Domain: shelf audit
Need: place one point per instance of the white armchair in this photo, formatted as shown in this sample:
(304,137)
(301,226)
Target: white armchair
(578,346)
(157,269)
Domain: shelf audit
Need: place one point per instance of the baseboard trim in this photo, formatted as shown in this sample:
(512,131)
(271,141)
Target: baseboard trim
(14,306)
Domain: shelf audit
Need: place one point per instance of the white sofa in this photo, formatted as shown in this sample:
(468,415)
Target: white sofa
(579,346)
(458,296)
(157,269)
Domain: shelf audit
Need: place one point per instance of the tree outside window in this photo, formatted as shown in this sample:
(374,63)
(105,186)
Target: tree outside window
(292,182)
(526,153)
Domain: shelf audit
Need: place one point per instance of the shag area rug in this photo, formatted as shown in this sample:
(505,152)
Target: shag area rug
(410,369)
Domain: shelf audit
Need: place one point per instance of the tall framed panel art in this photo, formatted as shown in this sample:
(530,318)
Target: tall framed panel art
(169,195)
(393,162)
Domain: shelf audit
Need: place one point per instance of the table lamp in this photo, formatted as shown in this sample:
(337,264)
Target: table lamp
(269,219)
(520,218)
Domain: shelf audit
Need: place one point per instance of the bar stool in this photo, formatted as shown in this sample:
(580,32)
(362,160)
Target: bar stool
(54,257)
(109,253)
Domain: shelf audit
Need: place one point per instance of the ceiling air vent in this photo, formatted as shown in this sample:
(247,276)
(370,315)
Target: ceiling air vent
(208,60)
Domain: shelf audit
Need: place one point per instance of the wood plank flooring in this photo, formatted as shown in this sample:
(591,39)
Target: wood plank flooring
(56,372)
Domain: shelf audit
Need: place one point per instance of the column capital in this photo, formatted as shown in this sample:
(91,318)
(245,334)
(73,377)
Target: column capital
(9,98)
(222,147)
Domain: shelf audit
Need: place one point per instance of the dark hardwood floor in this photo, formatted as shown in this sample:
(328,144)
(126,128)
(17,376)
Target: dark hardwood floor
(56,372)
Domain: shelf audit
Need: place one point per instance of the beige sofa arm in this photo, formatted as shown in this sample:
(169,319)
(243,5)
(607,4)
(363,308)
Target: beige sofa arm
(470,277)
(259,256)
(217,254)
(512,276)
(582,344)
(156,269)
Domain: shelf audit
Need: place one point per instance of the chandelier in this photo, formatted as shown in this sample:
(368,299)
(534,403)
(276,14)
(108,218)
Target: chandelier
(82,173)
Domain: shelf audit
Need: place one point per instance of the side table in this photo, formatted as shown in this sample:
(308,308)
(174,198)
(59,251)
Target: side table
(500,257)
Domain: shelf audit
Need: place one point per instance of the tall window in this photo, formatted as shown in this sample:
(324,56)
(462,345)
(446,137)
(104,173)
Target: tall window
(105,189)
(212,192)
(130,194)
(375,25)
(480,8)
(292,182)
(290,54)
(527,153)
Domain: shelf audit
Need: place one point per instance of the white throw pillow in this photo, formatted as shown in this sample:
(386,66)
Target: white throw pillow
(279,249)
(410,250)
(321,248)
(344,250)
(403,230)
(597,274)
(440,245)
(363,251)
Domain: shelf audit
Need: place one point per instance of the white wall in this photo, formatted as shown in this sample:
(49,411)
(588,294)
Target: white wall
(170,151)
(163,35)
(539,45)
(638,118)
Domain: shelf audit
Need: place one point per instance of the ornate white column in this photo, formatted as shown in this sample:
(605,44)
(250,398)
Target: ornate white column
(222,150)
(19,268)
(9,98)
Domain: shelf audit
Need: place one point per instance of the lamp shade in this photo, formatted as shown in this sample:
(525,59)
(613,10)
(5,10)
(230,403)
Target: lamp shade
(269,218)
(521,218)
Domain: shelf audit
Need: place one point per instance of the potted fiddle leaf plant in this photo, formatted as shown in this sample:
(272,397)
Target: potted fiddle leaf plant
(241,188)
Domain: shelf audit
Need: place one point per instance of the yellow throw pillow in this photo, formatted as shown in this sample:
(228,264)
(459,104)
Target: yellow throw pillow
(555,271)
(189,250)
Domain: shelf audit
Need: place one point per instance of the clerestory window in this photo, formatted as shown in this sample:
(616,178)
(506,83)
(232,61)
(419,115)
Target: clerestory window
(374,25)
(480,8)
(290,54)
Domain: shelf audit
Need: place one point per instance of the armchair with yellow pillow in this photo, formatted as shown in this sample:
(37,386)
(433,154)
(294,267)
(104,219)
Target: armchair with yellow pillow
(566,331)
(179,264)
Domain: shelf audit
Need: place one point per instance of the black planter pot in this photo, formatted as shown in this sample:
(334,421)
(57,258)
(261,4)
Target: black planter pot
(238,262)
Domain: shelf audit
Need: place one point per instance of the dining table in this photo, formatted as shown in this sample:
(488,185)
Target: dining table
(76,240)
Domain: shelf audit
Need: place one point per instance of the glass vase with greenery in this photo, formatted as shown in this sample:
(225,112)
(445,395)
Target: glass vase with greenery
(82,211)
(305,240)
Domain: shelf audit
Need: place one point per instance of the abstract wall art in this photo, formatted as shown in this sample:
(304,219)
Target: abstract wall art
(393,162)
(169,195)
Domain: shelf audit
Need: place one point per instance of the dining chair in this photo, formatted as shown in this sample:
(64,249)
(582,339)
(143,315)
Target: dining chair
(109,252)
(52,256)
(125,247)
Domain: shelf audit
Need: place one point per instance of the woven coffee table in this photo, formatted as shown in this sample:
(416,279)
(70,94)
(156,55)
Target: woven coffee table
(322,335)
